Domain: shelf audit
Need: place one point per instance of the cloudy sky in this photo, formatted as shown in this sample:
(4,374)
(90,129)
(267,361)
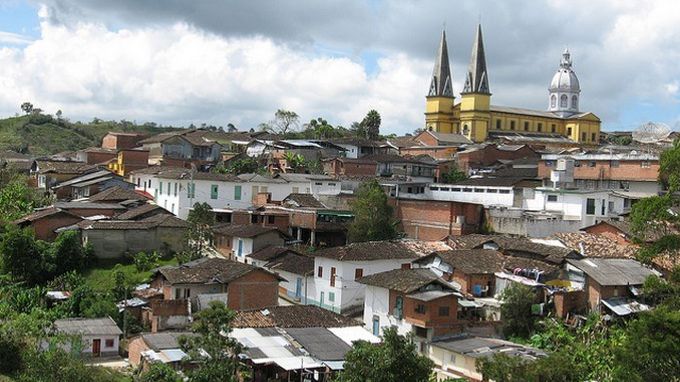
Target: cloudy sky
(216,61)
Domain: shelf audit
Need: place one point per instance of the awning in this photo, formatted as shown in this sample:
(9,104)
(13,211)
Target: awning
(335,365)
(469,304)
(622,306)
(297,363)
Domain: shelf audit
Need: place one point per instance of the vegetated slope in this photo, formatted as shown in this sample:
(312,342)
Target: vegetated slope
(39,134)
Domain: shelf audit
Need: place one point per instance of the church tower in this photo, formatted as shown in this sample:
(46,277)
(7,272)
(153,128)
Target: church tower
(564,90)
(476,98)
(439,104)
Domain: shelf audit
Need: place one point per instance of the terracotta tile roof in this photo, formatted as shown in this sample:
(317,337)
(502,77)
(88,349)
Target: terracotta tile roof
(292,262)
(369,251)
(64,167)
(166,221)
(291,316)
(488,261)
(167,172)
(145,208)
(207,270)
(116,194)
(514,245)
(303,201)
(393,158)
(42,213)
(269,252)
(401,280)
(244,230)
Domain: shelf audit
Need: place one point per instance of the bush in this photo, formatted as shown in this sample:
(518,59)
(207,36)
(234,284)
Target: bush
(146,261)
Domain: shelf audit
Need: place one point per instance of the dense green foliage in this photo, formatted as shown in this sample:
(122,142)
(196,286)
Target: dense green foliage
(159,372)
(211,327)
(246,165)
(373,216)
(199,234)
(371,125)
(516,310)
(17,199)
(454,175)
(39,134)
(393,360)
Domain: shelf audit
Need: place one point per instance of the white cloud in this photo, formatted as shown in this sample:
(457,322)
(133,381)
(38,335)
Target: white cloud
(179,74)
(13,38)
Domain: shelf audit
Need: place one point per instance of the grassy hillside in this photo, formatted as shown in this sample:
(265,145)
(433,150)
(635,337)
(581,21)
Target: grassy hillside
(43,134)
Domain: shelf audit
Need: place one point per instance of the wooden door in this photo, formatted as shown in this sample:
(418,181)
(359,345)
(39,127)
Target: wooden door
(96,347)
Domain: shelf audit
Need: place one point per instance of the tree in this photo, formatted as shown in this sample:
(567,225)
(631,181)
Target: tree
(371,124)
(17,199)
(68,253)
(211,344)
(651,349)
(22,256)
(284,122)
(516,310)
(231,128)
(454,175)
(373,218)
(393,360)
(199,235)
(159,372)
(27,107)
(244,165)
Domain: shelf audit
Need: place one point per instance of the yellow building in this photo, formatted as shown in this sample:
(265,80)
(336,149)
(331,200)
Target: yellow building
(476,118)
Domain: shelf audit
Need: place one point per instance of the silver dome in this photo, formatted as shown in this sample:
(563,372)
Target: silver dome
(565,79)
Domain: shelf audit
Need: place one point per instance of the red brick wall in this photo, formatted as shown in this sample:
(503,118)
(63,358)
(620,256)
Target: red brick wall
(466,281)
(44,228)
(434,152)
(135,349)
(97,157)
(627,170)
(169,307)
(568,302)
(116,142)
(255,290)
(597,292)
(434,220)
(431,316)
(608,231)
(304,220)
(136,158)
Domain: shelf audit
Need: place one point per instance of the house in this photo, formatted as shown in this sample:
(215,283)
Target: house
(17,161)
(128,160)
(115,140)
(416,301)
(310,149)
(98,336)
(609,285)
(177,189)
(236,242)
(475,269)
(296,268)
(46,221)
(95,155)
(48,173)
(89,184)
(148,348)
(296,342)
(311,221)
(85,208)
(617,230)
(349,166)
(434,219)
(435,144)
(407,168)
(337,270)
(240,286)
(115,238)
(455,357)
(506,192)
(118,194)
(142,212)
(184,146)
(359,147)
(281,185)
(479,157)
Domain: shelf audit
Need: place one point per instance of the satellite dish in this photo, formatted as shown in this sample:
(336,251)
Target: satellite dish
(651,132)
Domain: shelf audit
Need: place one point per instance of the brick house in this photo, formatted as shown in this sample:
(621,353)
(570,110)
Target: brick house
(117,195)
(311,221)
(157,347)
(296,268)
(435,220)
(483,156)
(47,173)
(609,284)
(115,140)
(89,184)
(95,155)
(349,166)
(239,285)
(435,144)
(618,231)
(128,160)
(45,222)
(416,301)
(236,241)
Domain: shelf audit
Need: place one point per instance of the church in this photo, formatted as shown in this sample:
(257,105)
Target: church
(479,120)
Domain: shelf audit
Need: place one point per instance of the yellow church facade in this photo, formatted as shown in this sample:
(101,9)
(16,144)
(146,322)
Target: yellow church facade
(476,118)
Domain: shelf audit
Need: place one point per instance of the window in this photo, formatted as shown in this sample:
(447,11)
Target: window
(420,309)
(296,190)
(191,190)
(149,183)
(498,124)
(603,208)
(358,273)
(271,219)
(574,102)
(467,190)
(503,191)
(331,296)
(552,198)
(645,164)
(614,163)
(539,127)
(552,128)
(406,266)
(590,206)
(512,125)
(108,343)
(173,208)
(593,136)
(584,136)
(318,184)
(139,180)
(432,188)
(564,100)
(176,187)
(553,101)
(332,276)
(160,187)
(319,273)
(398,312)
(331,184)
(492,190)
(169,188)
(213,191)
(526,126)
(569,131)
(454,189)
(479,190)
(237,192)
(592,163)
(253,219)
(443,311)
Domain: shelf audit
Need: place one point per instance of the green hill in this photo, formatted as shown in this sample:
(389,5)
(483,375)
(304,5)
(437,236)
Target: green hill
(38,134)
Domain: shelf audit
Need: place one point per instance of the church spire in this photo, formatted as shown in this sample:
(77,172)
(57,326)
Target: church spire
(441,75)
(477,79)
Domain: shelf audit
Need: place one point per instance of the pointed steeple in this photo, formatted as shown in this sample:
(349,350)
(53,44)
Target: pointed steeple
(477,79)
(441,75)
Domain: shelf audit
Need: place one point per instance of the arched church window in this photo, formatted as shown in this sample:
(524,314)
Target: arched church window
(553,101)
(574,102)
(564,100)
(466,129)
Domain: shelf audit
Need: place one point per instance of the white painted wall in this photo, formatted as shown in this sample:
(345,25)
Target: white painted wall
(247,248)
(376,304)
(488,196)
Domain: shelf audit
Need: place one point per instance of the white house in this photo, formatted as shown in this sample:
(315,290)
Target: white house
(337,269)
(237,241)
(279,186)
(297,269)
(98,336)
